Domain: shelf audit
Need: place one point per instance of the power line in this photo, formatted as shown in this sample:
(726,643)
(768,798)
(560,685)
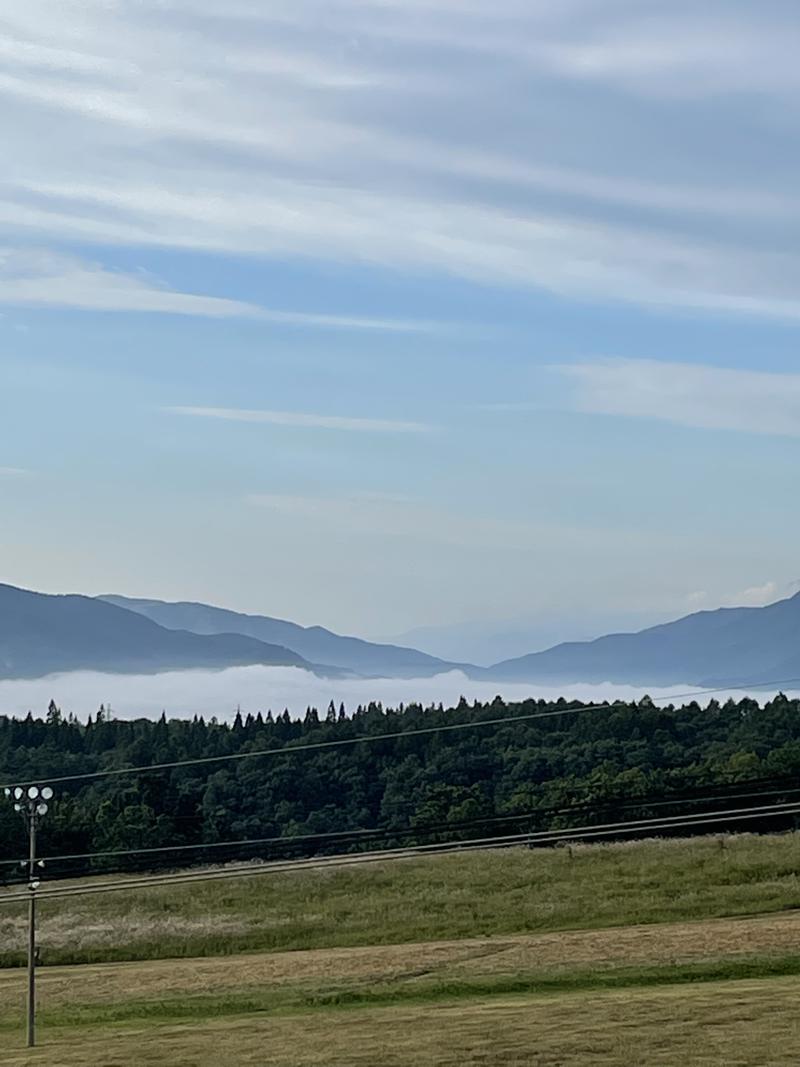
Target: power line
(195,846)
(379,856)
(540,837)
(291,749)
(389,831)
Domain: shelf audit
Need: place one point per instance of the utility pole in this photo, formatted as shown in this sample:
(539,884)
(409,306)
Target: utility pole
(31,803)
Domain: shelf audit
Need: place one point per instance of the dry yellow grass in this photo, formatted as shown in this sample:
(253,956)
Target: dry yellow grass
(527,990)
(731,1024)
(79,927)
(403,965)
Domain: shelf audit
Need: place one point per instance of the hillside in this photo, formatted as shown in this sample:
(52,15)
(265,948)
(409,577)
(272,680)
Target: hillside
(405,959)
(730,646)
(42,634)
(468,771)
(659,948)
(313,643)
(456,897)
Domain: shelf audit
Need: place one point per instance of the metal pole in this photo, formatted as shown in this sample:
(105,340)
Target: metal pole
(32,805)
(32,929)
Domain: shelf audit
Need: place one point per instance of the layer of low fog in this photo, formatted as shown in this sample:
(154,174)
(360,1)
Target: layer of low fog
(182,694)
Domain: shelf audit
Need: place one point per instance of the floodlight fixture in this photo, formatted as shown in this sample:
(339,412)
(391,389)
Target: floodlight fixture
(31,803)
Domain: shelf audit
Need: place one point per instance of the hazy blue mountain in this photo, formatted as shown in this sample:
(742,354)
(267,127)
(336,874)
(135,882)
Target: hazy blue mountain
(41,634)
(313,643)
(486,642)
(724,647)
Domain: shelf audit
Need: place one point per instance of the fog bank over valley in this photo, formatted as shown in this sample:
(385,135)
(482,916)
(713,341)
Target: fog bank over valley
(182,694)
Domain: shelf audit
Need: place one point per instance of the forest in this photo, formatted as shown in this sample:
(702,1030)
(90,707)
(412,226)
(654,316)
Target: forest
(550,765)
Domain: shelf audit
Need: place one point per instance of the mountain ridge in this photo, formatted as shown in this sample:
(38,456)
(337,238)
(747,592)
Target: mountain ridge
(43,633)
(724,646)
(47,633)
(315,643)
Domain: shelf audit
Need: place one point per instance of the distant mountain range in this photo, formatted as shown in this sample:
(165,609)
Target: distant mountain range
(42,634)
(729,646)
(313,643)
(487,641)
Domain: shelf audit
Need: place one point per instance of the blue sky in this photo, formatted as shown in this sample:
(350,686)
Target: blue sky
(384,314)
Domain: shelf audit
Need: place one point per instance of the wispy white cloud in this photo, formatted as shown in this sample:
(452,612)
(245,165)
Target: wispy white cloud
(336,131)
(303,420)
(385,516)
(703,396)
(552,252)
(755,596)
(692,53)
(39,278)
(378,515)
(35,278)
(13,472)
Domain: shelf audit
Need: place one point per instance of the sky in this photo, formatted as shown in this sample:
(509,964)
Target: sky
(401,314)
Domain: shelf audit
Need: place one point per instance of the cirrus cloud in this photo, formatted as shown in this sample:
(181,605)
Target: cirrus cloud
(303,420)
(42,279)
(706,397)
(337,132)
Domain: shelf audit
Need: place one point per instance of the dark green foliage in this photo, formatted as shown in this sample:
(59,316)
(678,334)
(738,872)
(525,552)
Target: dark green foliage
(557,771)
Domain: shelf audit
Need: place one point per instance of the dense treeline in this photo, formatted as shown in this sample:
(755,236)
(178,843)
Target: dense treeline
(552,771)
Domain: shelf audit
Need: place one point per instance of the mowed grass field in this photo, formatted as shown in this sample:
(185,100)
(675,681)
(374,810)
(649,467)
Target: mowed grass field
(736,1024)
(655,952)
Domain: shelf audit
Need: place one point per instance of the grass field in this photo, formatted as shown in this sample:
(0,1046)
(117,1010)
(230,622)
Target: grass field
(735,1024)
(478,894)
(649,953)
(425,972)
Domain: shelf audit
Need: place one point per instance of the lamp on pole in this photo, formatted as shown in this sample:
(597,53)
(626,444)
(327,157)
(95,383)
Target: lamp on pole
(31,803)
